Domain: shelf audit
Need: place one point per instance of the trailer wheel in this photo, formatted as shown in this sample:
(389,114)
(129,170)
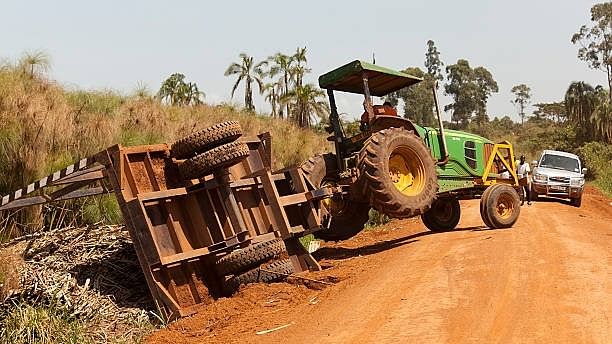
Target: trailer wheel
(341,218)
(223,156)
(502,206)
(250,256)
(483,213)
(397,173)
(268,273)
(443,216)
(205,139)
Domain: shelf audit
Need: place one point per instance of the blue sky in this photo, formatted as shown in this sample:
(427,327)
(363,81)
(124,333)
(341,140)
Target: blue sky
(116,44)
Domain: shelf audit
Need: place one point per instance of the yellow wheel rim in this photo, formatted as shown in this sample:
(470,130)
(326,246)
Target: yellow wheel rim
(505,206)
(407,171)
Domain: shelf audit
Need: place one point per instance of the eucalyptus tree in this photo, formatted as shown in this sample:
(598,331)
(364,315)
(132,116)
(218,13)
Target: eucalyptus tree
(433,64)
(246,70)
(522,97)
(596,41)
(470,89)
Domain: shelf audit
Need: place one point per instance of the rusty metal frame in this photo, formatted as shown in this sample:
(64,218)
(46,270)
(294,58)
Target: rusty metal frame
(180,228)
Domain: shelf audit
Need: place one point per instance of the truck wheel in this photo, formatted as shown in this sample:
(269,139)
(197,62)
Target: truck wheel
(223,156)
(443,216)
(250,256)
(502,206)
(268,273)
(397,173)
(576,202)
(483,204)
(341,218)
(207,138)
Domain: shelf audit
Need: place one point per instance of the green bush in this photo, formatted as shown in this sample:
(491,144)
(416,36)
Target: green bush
(597,158)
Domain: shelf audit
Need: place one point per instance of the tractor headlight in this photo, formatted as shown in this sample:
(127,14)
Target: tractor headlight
(540,177)
(577,181)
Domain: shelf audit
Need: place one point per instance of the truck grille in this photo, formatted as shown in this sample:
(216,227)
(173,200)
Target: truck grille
(559,179)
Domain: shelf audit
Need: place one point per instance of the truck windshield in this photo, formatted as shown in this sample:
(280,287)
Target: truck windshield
(560,162)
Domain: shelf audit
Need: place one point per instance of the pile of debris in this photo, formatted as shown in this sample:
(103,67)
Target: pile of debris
(90,273)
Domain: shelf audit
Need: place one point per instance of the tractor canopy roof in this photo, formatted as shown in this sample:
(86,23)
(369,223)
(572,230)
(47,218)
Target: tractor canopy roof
(381,81)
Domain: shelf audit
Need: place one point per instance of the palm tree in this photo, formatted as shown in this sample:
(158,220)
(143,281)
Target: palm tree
(579,102)
(193,95)
(298,71)
(248,72)
(305,102)
(35,62)
(602,115)
(176,91)
(281,65)
(272,91)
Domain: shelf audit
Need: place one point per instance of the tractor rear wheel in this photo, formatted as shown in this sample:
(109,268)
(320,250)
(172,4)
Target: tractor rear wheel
(443,216)
(502,206)
(207,138)
(341,218)
(397,173)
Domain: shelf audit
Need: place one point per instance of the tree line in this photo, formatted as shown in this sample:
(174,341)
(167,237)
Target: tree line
(280,80)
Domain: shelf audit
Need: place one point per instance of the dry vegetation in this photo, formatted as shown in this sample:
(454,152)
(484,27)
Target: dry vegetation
(68,288)
(44,127)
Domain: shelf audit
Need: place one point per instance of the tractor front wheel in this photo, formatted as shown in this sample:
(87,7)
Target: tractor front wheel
(443,216)
(501,206)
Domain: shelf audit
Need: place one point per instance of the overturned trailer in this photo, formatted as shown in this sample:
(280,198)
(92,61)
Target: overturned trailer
(201,223)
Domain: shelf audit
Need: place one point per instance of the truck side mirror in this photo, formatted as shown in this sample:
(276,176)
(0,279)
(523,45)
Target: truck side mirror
(534,163)
(584,170)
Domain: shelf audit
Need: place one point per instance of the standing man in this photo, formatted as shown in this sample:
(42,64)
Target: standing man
(522,171)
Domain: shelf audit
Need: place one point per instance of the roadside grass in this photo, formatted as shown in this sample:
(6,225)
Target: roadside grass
(27,324)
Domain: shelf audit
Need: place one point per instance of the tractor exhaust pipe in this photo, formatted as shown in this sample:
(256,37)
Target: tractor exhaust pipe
(442,136)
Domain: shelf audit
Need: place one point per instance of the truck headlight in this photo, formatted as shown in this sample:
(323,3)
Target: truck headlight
(577,181)
(540,177)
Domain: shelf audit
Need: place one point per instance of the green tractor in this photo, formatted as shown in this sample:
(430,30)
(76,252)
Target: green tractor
(402,169)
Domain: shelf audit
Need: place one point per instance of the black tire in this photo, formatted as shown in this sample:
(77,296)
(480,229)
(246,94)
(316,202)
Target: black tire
(272,272)
(243,259)
(376,181)
(502,206)
(443,216)
(346,218)
(223,156)
(576,202)
(483,203)
(205,139)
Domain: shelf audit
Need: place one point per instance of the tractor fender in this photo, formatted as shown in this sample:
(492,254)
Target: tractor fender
(384,122)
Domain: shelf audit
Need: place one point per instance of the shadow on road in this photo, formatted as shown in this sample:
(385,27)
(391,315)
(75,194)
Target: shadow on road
(338,253)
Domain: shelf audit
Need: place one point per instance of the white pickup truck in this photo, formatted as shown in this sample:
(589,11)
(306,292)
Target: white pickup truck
(559,174)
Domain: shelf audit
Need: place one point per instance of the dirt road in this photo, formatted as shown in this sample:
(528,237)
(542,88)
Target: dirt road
(546,280)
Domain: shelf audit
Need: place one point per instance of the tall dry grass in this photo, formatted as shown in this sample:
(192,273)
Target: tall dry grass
(44,127)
